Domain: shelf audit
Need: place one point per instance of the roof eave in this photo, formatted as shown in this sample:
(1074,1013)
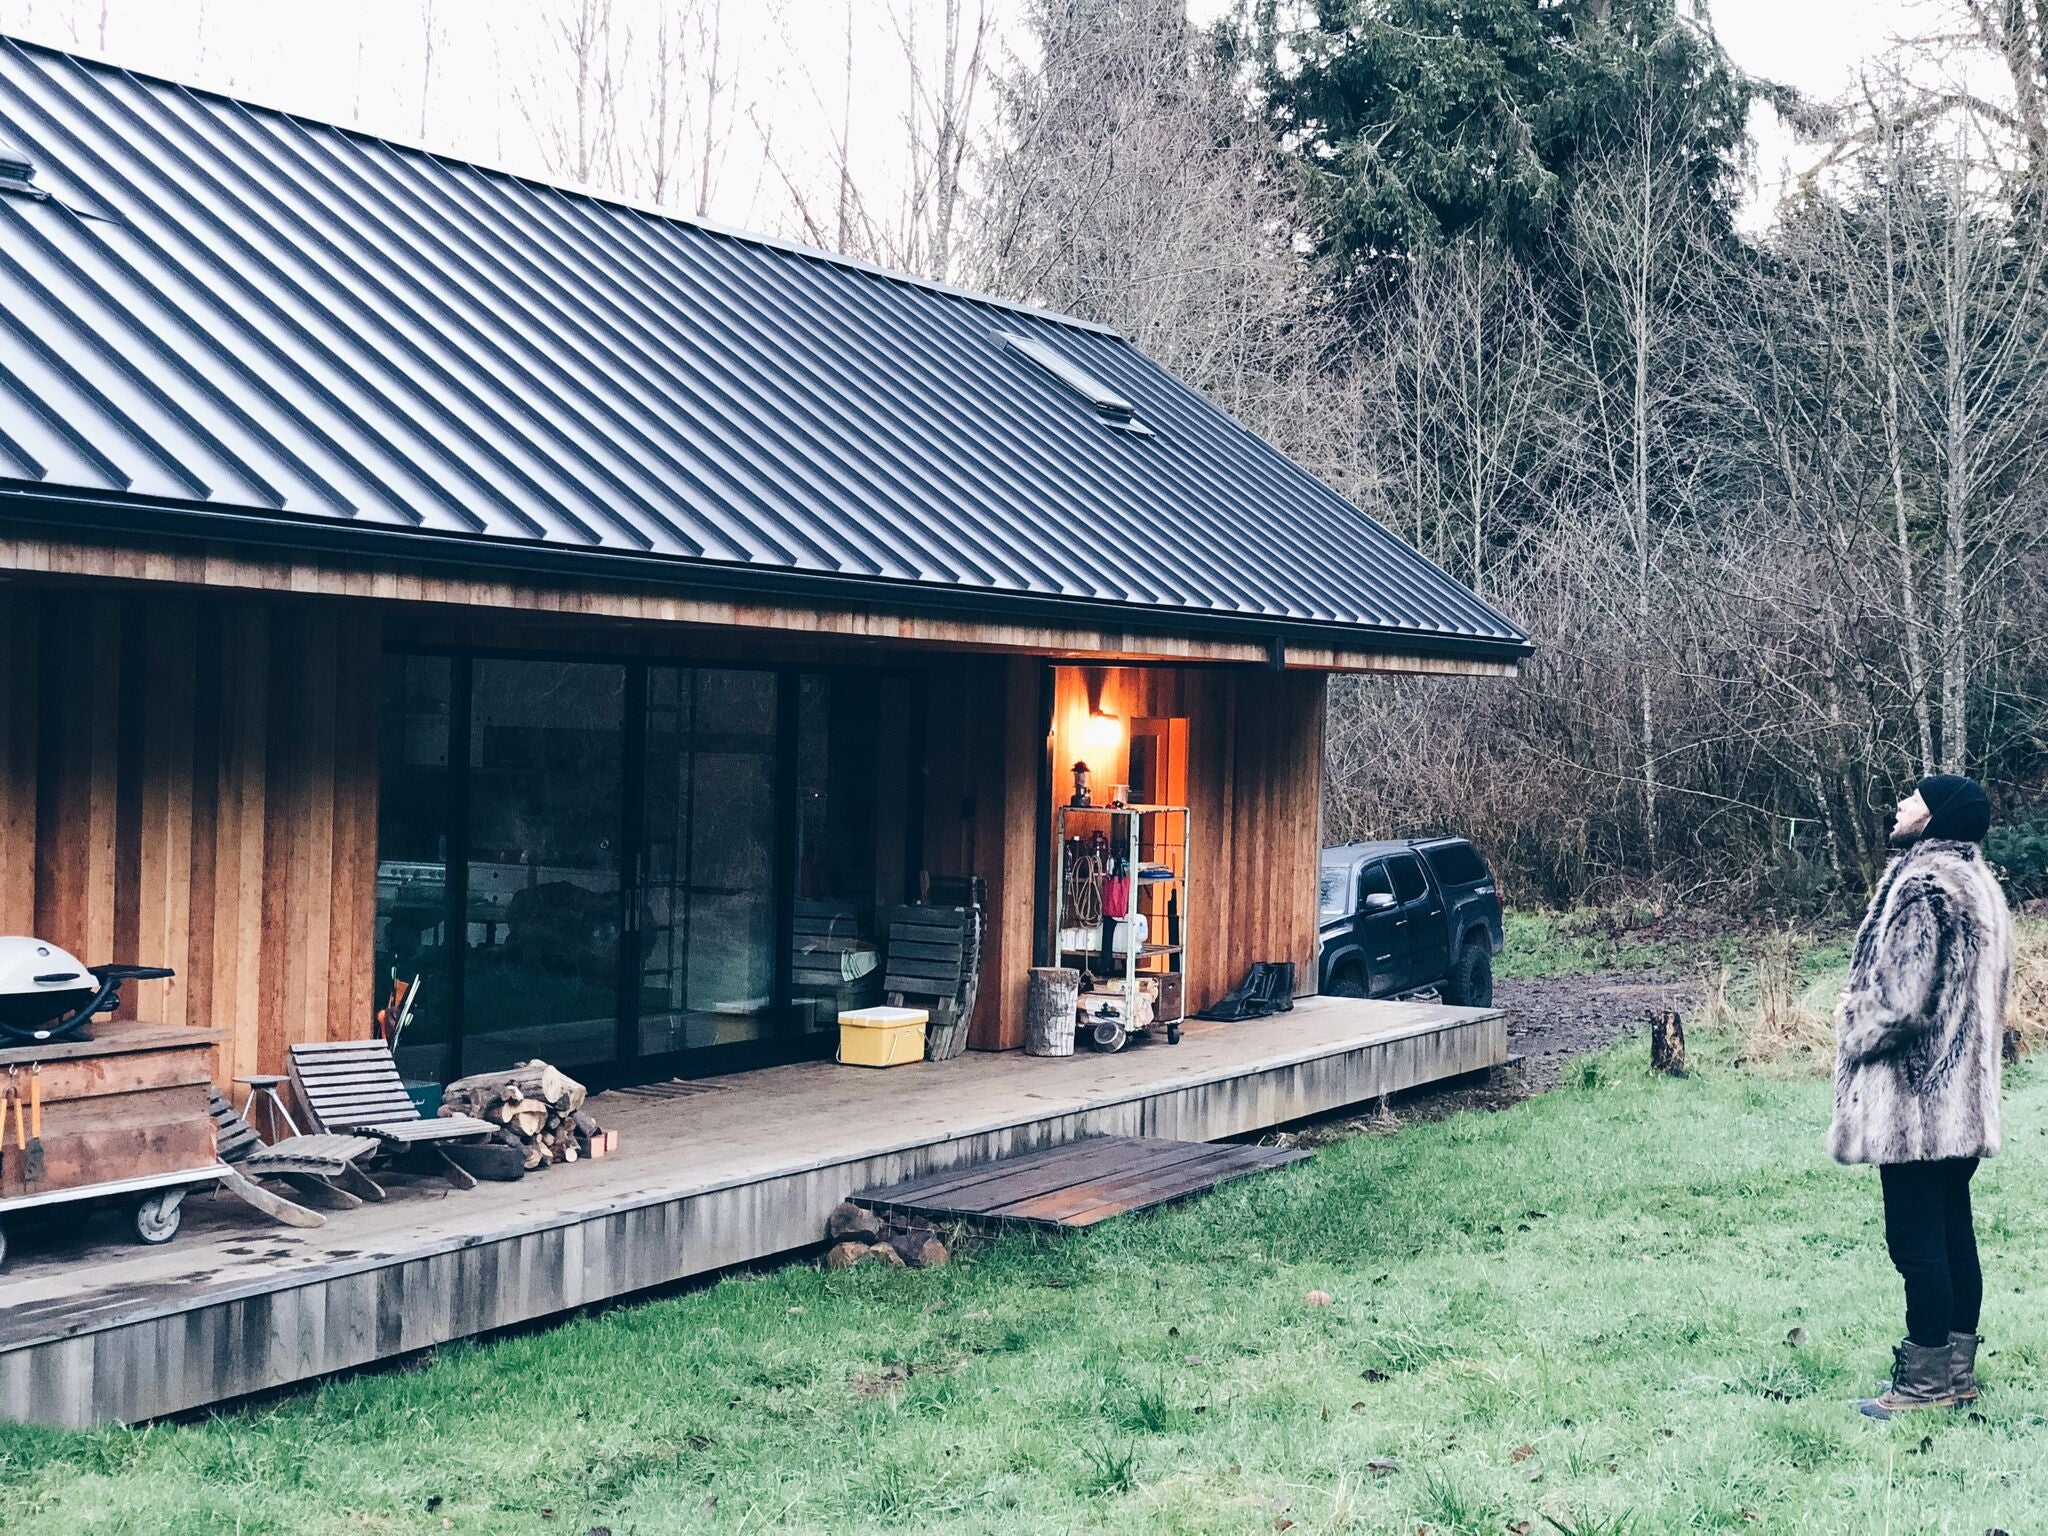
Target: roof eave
(74,512)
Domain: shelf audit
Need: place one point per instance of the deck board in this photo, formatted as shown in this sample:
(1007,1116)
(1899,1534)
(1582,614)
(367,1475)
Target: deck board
(95,1328)
(1079,1184)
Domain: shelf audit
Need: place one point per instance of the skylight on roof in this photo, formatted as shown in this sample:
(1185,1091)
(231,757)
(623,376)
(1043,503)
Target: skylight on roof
(1112,407)
(16,169)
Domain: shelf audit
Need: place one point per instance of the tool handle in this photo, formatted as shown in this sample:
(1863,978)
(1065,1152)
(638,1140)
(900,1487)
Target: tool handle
(35,1101)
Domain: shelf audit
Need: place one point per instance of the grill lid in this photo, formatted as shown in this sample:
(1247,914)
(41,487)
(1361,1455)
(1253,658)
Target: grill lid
(35,968)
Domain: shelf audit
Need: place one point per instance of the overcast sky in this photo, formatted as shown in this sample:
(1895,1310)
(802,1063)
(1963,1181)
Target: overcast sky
(363,62)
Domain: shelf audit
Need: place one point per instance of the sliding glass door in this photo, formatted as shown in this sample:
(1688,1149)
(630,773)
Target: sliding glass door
(545,831)
(628,867)
(705,918)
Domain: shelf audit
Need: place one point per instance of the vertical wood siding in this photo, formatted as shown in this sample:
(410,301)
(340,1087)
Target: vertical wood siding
(193,782)
(1255,773)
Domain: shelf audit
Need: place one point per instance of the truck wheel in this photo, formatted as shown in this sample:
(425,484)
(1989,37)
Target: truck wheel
(1347,983)
(1471,979)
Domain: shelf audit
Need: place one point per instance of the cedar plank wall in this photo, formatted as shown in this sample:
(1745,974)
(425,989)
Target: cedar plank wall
(984,744)
(192,782)
(1255,774)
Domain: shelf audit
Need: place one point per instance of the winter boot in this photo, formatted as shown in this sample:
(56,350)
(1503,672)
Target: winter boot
(1922,1377)
(1963,1348)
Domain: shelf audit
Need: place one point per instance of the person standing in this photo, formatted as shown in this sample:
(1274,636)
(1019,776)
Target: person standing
(1919,1040)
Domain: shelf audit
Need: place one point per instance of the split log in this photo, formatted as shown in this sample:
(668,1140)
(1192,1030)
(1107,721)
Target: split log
(850,1221)
(919,1250)
(1667,1044)
(1049,1009)
(537,1109)
(528,1080)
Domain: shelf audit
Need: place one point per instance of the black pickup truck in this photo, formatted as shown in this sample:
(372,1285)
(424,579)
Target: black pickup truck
(1406,916)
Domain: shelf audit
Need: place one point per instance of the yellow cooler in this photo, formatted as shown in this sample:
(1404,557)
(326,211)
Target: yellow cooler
(881,1037)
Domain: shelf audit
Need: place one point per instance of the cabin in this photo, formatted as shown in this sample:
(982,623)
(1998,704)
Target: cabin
(410,569)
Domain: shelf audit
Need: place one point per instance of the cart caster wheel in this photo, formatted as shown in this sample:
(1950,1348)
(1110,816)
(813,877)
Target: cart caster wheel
(158,1217)
(1108,1037)
(1173,1034)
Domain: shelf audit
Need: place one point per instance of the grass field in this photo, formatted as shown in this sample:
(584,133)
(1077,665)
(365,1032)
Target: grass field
(1542,946)
(1577,1309)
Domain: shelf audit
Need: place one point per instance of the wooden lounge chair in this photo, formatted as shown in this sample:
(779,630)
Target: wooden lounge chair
(322,1167)
(352,1087)
(832,968)
(934,962)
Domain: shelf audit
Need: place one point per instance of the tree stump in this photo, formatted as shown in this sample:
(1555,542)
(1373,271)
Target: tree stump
(1667,1044)
(1049,1011)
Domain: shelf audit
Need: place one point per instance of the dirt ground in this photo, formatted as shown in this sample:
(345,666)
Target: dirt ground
(1549,1022)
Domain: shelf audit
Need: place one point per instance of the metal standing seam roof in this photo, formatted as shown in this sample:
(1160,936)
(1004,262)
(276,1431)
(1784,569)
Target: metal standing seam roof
(211,307)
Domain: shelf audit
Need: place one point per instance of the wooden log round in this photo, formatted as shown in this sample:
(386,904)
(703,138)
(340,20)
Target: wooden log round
(845,1255)
(851,1221)
(1049,1008)
(919,1249)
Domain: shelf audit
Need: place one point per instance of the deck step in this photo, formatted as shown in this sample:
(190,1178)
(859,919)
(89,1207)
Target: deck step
(1078,1184)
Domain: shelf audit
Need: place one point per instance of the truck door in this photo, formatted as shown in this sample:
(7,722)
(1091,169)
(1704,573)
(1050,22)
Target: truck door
(1379,931)
(1420,925)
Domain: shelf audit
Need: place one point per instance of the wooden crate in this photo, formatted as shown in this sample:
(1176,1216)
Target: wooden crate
(130,1103)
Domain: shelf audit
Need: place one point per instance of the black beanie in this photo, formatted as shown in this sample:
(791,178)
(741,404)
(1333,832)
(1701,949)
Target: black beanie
(1957,807)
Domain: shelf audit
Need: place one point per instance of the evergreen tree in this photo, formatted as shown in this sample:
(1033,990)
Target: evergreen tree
(1414,121)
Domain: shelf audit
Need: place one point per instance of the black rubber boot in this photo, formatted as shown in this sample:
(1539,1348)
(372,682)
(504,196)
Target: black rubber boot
(1922,1377)
(1963,1366)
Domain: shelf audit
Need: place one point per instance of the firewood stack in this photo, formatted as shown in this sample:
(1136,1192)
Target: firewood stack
(859,1236)
(538,1111)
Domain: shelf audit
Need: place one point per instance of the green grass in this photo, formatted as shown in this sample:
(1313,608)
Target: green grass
(1542,946)
(1573,1313)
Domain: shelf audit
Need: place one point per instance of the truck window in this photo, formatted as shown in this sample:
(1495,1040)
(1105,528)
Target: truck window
(1457,864)
(1330,893)
(1408,881)
(1370,879)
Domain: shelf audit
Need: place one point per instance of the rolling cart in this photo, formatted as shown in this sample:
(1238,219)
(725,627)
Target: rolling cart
(156,1201)
(1122,885)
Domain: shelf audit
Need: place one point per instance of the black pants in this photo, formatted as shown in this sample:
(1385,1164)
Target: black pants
(1927,1228)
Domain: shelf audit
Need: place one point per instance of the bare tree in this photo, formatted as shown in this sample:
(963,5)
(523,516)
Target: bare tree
(1642,289)
(687,131)
(429,37)
(571,98)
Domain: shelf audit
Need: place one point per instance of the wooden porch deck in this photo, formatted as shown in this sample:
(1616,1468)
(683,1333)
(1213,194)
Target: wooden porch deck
(93,1329)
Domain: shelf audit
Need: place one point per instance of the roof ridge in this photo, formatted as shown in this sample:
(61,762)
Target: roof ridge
(580,190)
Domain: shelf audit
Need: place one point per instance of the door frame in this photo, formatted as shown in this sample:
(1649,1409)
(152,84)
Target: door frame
(783,1044)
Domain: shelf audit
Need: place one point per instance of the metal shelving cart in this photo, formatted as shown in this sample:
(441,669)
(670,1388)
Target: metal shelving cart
(1134,968)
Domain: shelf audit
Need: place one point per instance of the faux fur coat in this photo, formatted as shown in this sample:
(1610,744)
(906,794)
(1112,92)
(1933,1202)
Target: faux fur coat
(1921,1026)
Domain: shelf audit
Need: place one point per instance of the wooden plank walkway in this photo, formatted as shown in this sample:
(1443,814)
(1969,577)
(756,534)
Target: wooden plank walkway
(96,1328)
(1078,1184)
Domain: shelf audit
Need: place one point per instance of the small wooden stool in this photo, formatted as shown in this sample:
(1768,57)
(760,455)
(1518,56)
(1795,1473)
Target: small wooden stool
(264,1085)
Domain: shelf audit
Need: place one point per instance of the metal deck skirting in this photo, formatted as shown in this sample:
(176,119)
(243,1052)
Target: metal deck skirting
(109,1332)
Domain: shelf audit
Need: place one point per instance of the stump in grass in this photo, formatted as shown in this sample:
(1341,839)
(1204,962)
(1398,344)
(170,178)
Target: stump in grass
(1667,1044)
(1049,1009)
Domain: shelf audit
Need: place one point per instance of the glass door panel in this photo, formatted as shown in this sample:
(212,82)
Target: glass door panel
(852,839)
(415,938)
(705,918)
(544,905)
